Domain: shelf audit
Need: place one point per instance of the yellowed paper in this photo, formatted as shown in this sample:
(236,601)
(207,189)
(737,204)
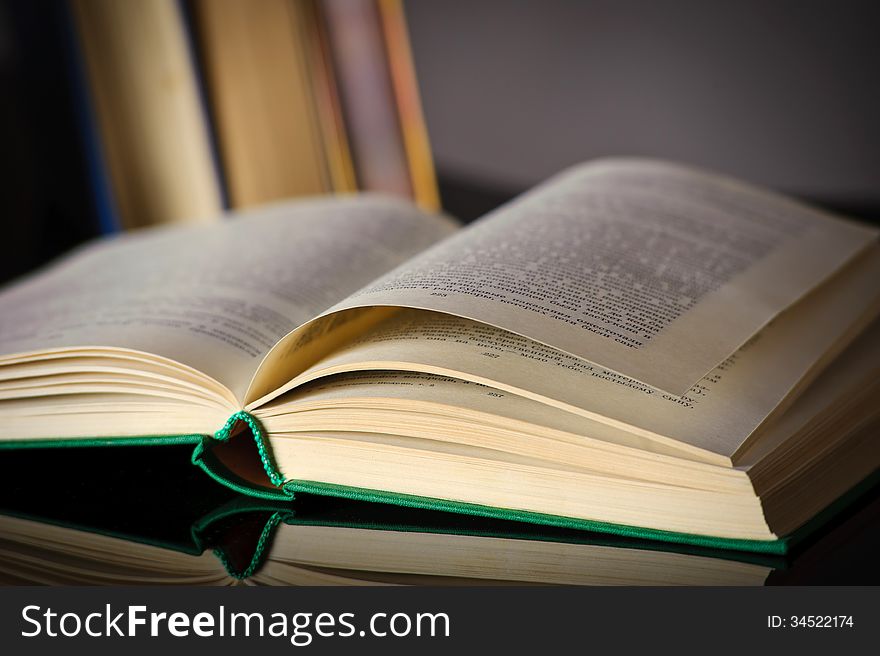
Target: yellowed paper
(214,298)
(651,270)
(716,416)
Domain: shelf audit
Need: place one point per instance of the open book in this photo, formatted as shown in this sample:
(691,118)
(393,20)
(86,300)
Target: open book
(631,347)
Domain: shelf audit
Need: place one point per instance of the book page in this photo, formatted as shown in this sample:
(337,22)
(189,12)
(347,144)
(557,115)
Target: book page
(849,383)
(651,270)
(479,407)
(215,298)
(716,416)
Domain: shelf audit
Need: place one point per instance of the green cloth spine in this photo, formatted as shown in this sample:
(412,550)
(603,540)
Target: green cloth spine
(285,490)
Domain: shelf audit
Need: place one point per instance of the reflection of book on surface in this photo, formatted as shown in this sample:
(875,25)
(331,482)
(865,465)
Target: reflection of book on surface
(41,553)
(166,537)
(633,347)
(144,518)
(319,554)
(88,536)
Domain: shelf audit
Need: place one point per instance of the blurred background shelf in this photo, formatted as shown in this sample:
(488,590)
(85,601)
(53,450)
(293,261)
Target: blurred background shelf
(311,96)
(129,114)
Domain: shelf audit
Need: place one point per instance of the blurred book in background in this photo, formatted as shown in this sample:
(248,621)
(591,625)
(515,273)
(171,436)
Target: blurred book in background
(151,122)
(261,72)
(201,104)
(371,55)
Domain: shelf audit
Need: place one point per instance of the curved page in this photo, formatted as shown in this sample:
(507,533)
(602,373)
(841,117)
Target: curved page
(215,298)
(651,270)
(716,416)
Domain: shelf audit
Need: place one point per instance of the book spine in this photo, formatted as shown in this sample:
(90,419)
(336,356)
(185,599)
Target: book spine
(190,27)
(236,428)
(153,132)
(409,105)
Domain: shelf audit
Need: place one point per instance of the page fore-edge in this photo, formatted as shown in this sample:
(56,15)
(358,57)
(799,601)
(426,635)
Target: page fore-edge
(285,490)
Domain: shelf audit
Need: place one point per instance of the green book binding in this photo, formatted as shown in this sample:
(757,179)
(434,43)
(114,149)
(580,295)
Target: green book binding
(278,490)
(104,516)
(289,489)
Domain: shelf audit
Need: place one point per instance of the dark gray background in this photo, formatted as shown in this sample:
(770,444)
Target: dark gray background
(779,92)
(783,93)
